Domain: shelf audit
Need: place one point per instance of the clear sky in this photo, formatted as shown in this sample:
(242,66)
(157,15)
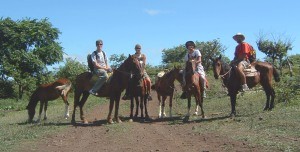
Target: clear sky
(158,24)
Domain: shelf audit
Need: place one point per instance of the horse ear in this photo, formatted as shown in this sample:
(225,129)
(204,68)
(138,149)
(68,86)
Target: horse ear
(220,56)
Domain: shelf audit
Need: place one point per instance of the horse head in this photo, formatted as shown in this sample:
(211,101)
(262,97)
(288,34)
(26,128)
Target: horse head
(31,108)
(217,66)
(190,67)
(133,66)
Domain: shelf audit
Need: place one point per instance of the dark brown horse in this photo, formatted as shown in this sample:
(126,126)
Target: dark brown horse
(233,83)
(48,92)
(111,89)
(139,91)
(193,87)
(164,87)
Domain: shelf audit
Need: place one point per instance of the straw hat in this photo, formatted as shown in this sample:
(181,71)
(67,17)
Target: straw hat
(239,36)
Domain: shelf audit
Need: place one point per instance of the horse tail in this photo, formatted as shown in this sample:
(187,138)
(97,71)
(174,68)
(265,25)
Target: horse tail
(276,74)
(64,88)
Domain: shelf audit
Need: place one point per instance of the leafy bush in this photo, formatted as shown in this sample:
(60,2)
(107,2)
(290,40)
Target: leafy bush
(6,89)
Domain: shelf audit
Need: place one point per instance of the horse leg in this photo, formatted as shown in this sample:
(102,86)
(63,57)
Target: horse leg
(233,101)
(77,95)
(81,104)
(160,106)
(163,112)
(170,105)
(117,99)
(142,106)
(268,91)
(201,106)
(65,99)
(41,109)
(137,103)
(272,99)
(111,106)
(189,106)
(131,107)
(146,108)
(45,110)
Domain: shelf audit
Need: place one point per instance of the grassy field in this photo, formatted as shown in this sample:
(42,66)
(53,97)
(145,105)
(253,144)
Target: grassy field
(15,130)
(276,130)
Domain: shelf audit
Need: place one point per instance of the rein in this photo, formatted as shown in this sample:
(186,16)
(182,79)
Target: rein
(223,75)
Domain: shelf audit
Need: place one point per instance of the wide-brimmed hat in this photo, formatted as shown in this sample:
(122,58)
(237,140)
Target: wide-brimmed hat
(239,36)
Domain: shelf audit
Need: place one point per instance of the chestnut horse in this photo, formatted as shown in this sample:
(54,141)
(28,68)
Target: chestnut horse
(139,92)
(193,87)
(233,83)
(48,92)
(111,89)
(164,87)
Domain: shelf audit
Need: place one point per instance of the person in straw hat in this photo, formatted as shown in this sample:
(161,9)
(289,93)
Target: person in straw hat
(241,58)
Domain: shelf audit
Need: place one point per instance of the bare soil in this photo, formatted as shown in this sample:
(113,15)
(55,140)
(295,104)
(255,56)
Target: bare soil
(155,135)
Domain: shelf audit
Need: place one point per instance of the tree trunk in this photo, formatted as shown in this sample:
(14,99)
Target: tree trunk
(290,67)
(21,91)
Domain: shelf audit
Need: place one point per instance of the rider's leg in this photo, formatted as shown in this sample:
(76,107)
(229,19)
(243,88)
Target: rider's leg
(240,68)
(102,77)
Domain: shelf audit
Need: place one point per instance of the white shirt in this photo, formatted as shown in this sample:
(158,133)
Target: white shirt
(100,59)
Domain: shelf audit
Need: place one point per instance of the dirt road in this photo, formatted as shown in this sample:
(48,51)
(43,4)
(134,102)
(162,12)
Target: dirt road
(157,135)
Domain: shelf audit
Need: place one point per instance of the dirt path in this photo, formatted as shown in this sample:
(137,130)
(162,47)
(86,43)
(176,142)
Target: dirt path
(158,135)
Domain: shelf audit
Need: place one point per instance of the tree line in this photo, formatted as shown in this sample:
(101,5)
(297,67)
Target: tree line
(28,46)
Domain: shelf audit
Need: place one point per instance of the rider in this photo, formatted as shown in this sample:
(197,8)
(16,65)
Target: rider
(100,67)
(241,58)
(142,59)
(194,54)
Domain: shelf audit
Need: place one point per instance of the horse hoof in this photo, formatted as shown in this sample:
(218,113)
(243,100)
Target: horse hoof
(196,113)
(119,121)
(85,122)
(130,120)
(110,121)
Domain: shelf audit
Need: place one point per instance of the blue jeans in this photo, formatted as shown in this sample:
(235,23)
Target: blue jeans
(102,77)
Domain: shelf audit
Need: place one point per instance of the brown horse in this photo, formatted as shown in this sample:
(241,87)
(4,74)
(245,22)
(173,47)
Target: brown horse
(139,91)
(164,87)
(233,83)
(111,89)
(48,92)
(193,87)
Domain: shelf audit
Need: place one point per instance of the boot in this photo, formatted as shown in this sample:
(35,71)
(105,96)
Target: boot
(183,95)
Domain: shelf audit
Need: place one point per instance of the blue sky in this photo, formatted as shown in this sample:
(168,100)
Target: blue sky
(159,24)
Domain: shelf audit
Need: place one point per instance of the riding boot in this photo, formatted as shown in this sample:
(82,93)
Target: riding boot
(126,95)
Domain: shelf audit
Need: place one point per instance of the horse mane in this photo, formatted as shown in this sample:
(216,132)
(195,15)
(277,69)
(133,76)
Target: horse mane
(225,65)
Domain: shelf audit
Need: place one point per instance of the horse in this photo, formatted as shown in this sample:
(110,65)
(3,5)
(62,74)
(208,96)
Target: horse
(232,82)
(139,91)
(112,89)
(49,92)
(193,87)
(164,87)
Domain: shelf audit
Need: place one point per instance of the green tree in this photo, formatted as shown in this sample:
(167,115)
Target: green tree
(27,46)
(276,49)
(175,56)
(117,60)
(71,69)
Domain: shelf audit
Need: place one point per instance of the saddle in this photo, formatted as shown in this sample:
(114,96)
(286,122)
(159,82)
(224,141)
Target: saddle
(95,78)
(250,71)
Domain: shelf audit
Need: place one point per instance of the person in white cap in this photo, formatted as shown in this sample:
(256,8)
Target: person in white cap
(241,58)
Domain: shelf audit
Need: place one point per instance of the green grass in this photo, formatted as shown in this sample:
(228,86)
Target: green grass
(275,130)
(15,129)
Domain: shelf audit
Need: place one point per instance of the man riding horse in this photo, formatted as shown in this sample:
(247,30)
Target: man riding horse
(241,59)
